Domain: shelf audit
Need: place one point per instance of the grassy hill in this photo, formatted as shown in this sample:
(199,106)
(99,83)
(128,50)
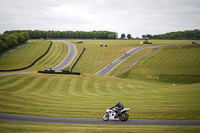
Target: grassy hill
(27,54)
(172,65)
(24,56)
(95,57)
(89,96)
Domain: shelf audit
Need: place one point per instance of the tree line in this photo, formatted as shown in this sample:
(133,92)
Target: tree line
(37,34)
(179,35)
(13,39)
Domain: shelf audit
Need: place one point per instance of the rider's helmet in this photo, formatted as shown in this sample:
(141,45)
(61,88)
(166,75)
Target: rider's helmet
(118,102)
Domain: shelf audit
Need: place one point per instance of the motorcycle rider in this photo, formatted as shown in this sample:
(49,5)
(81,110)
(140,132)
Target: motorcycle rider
(120,107)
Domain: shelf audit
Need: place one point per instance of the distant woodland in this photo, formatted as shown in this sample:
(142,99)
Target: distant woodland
(37,34)
(13,38)
(179,35)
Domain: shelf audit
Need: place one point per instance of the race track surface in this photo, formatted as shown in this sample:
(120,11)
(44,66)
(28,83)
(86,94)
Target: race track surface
(115,63)
(41,119)
(69,57)
(3,74)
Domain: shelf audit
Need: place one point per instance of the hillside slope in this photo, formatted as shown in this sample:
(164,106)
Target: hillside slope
(24,56)
(175,65)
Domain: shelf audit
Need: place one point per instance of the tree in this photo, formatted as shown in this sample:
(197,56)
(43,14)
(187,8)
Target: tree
(143,36)
(129,36)
(149,36)
(3,37)
(12,40)
(123,36)
(21,38)
(26,35)
(3,45)
(111,36)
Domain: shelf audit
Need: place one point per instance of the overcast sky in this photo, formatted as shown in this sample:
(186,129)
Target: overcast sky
(136,17)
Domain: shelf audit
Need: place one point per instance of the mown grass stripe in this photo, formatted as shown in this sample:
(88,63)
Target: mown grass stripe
(52,57)
(62,49)
(84,88)
(60,86)
(46,85)
(64,90)
(110,91)
(17,82)
(98,88)
(31,83)
(8,79)
(38,85)
(72,87)
(91,89)
(53,84)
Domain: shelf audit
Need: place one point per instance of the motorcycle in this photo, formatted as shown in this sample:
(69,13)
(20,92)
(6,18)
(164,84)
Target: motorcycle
(111,114)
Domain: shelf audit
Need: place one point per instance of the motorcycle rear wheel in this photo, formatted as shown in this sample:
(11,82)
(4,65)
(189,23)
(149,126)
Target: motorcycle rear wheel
(124,117)
(105,117)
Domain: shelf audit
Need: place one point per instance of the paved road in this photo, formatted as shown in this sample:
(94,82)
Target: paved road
(3,74)
(69,57)
(41,119)
(115,63)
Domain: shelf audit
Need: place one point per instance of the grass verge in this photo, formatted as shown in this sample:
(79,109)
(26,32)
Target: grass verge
(19,127)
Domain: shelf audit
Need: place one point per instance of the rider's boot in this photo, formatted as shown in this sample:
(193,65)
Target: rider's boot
(116,115)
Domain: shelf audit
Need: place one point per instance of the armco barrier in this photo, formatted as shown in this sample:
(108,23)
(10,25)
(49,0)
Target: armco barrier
(61,72)
(77,60)
(30,64)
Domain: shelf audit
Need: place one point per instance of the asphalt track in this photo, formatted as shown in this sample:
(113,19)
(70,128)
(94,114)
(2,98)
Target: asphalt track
(3,74)
(42,119)
(115,63)
(69,57)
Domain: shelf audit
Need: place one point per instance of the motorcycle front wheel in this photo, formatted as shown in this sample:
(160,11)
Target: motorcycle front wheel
(124,117)
(105,117)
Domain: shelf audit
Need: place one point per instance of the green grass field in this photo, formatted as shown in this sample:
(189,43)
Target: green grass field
(96,57)
(173,65)
(19,127)
(26,55)
(88,96)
